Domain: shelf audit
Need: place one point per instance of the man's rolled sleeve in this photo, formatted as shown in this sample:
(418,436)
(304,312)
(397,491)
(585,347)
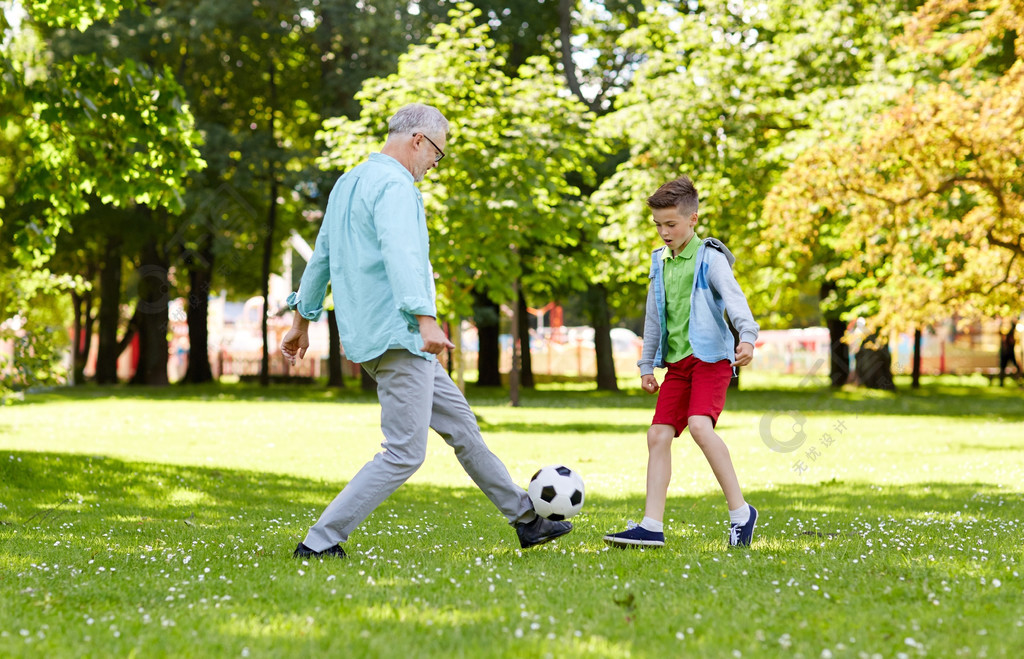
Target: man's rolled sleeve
(295,304)
(418,306)
(309,299)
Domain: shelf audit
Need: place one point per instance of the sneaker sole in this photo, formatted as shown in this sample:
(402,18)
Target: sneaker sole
(625,542)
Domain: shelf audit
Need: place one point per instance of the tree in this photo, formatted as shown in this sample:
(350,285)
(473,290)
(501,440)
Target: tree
(88,127)
(927,199)
(597,69)
(501,204)
(730,94)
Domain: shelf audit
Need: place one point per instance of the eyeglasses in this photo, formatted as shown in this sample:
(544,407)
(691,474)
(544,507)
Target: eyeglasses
(440,153)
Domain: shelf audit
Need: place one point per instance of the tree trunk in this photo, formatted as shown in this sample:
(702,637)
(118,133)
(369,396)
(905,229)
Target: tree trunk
(200,268)
(268,237)
(83,322)
(525,360)
(487,316)
(1008,353)
(109,314)
(151,319)
(600,318)
(839,352)
(335,378)
(915,380)
(874,365)
(839,358)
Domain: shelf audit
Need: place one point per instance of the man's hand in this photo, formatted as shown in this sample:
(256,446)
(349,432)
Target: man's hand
(296,341)
(434,340)
(649,383)
(744,353)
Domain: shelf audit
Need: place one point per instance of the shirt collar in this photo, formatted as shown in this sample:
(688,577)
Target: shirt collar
(688,251)
(391,162)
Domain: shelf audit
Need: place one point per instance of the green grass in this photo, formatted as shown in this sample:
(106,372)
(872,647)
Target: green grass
(161,523)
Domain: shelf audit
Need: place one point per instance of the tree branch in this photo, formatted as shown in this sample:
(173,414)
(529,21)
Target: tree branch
(565,8)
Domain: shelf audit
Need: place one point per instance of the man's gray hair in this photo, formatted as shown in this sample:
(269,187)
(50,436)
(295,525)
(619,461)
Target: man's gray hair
(418,118)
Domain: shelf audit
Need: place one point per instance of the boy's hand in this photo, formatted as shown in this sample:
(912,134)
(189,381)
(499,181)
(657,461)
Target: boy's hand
(744,353)
(649,383)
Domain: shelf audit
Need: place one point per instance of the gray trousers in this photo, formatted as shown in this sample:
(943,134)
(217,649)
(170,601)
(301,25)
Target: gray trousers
(416,394)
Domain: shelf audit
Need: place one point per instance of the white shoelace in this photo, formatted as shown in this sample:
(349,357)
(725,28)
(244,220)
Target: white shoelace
(630,525)
(734,534)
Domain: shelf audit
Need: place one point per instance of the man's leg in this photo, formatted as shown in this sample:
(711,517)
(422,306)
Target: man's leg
(405,389)
(452,418)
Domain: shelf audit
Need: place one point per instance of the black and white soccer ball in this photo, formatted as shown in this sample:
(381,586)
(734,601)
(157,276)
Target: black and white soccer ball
(556,492)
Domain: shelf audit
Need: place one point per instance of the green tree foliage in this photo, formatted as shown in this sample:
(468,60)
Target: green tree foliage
(500,205)
(259,81)
(86,128)
(730,93)
(116,130)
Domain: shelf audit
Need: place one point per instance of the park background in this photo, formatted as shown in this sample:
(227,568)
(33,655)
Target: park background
(164,167)
(861,159)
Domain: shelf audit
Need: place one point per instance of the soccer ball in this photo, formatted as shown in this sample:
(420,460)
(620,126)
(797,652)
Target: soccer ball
(556,492)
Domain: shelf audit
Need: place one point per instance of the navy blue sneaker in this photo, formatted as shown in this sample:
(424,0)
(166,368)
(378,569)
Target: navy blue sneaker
(740,535)
(635,536)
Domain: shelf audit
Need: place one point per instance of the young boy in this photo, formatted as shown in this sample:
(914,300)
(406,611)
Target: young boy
(691,283)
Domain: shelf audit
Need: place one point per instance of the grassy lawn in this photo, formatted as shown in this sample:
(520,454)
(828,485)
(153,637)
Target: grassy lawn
(161,523)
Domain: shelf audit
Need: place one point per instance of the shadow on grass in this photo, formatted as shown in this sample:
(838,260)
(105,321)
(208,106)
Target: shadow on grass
(937,399)
(556,428)
(212,391)
(42,490)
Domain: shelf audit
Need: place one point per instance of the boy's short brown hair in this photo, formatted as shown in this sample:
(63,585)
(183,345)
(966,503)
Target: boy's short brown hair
(679,193)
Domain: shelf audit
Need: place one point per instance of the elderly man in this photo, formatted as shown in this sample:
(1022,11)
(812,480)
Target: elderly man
(373,248)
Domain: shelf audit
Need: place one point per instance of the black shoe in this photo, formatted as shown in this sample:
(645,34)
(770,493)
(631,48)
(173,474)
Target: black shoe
(302,551)
(539,531)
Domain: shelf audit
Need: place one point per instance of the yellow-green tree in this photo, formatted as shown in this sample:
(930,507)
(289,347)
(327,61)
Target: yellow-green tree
(924,211)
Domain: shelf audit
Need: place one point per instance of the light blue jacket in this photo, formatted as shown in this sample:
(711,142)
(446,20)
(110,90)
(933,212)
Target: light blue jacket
(715,291)
(374,249)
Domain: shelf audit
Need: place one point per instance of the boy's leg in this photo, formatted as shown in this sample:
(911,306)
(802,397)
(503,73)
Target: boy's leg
(452,418)
(711,381)
(669,421)
(702,430)
(650,532)
(659,468)
(710,384)
(405,389)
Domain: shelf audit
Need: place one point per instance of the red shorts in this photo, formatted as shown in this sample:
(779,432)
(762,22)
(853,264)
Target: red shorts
(692,388)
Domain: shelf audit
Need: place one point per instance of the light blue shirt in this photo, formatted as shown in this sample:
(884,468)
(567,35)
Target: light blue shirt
(374,249)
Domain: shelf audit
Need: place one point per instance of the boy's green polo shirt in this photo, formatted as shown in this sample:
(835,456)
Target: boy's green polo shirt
(679,271)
